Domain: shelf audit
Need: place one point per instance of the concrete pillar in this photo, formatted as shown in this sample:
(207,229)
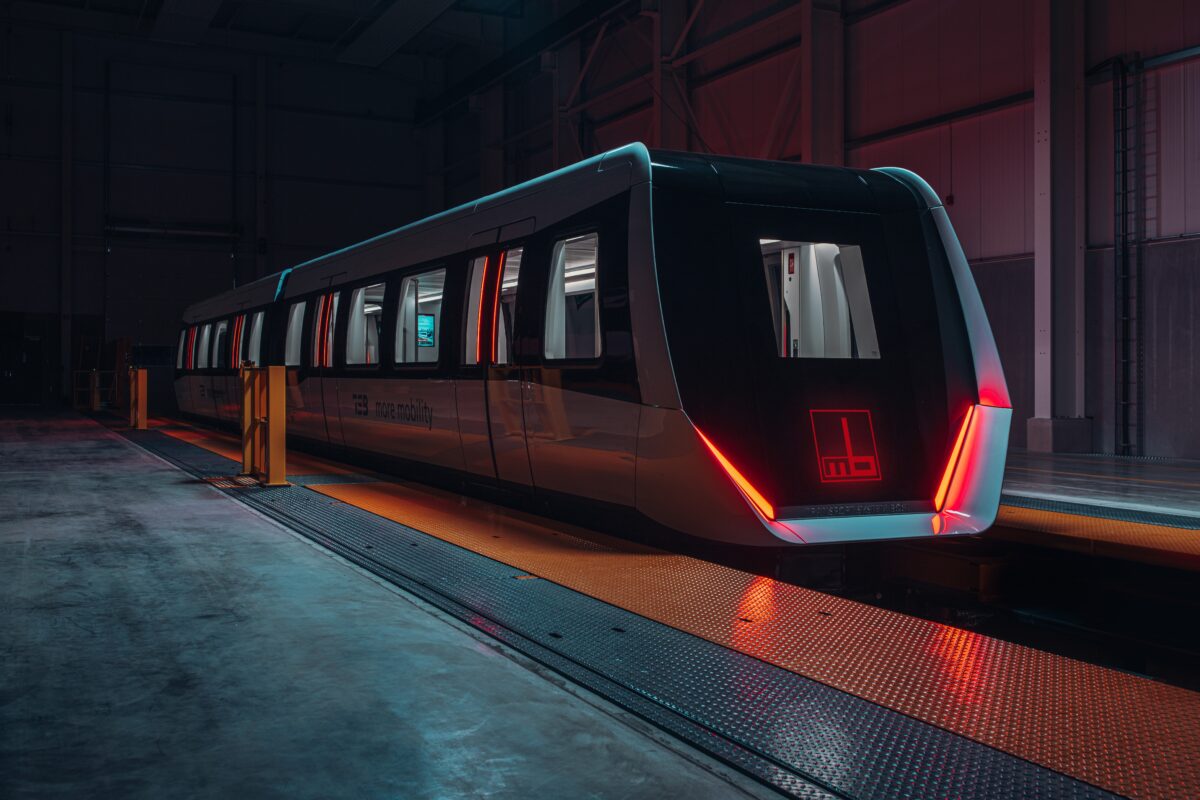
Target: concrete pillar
(1059,424)
(822,93)
(67,219)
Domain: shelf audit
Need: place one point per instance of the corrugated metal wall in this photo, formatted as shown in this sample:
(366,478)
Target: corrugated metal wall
(944,87)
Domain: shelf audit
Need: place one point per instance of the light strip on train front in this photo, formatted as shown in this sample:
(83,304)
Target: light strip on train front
(752,494)
(939,499)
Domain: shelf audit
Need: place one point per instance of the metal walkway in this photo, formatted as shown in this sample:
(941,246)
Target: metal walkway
(813,695)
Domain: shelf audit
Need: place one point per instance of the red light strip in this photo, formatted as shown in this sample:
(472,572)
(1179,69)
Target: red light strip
(752,494)
(326,355)
(496,302)
(479,321)
(236,344)
(939,500)
(191,346)
(317,332)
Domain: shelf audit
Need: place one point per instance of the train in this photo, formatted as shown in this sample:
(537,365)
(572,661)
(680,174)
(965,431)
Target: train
(749,352)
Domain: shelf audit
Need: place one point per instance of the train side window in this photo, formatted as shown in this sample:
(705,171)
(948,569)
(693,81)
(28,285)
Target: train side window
(366,324)
(473,338)
(204,350)
(255,340)
(220,353)
(505,309)
(572,310)
(820,307)
(182,345)
(295,328)
(418,323)
(323,324)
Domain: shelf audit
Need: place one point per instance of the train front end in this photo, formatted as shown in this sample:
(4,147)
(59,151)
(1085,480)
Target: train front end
(837,377)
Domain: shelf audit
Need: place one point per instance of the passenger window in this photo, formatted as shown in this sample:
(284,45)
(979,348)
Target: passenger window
(472,338)
(204,350)
(220,356)
(572,307)
(182,345)
(327,306)
(506,309)
(366,324)
(820,307)
(291,355)
(252,350)
(418,323)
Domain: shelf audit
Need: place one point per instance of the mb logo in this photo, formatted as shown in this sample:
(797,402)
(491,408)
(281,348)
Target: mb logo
(845,441)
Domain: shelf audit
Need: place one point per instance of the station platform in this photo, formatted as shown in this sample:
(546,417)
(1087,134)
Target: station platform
(1131,509)
(809,694)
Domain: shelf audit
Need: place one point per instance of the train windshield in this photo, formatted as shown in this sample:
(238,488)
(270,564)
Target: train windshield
(818,298)
(808,347)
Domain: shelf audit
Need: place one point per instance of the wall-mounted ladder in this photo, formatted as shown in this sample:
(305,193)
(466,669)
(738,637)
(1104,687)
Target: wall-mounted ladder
(1128,234)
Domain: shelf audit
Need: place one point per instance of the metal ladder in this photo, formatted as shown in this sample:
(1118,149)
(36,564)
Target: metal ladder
(1128,224)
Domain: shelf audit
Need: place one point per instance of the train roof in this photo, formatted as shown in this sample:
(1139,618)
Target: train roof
(527,207)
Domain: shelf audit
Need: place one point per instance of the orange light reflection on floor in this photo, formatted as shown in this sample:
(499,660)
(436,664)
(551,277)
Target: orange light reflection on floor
(1128,734)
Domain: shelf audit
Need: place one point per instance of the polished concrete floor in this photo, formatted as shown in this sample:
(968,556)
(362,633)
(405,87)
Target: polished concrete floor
(162,640)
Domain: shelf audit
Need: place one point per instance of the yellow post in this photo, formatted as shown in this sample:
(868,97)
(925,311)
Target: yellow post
(138,413)
(276,408)
(248,427)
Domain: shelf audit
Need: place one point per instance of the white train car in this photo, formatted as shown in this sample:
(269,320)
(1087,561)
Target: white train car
(751,352)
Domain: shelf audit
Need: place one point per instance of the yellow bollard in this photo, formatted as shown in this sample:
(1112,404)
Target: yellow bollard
(276,444)
(247,376)
(264,420)
(138,413)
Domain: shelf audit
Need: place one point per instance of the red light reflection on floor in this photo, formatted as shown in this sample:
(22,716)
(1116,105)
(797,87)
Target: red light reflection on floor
(962,661)
(750,628)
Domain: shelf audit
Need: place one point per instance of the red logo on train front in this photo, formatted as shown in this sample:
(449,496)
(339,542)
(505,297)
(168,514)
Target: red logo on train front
(845,440)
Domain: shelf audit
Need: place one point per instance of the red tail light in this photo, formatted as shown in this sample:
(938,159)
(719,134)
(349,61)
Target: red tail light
(752,494)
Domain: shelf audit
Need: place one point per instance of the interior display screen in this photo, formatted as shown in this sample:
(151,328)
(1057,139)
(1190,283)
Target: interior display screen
(425,329)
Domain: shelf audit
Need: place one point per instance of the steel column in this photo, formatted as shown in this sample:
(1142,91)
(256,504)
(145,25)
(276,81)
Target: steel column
(67,220)
(1059,422)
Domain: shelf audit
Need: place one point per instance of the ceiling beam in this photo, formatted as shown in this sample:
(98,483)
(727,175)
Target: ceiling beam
(185,20)
(393,29)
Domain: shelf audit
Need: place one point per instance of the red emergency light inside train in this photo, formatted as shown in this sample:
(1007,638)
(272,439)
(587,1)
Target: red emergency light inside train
(746,351)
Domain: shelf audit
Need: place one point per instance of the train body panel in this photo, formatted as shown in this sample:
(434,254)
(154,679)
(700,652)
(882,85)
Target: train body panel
(749,352)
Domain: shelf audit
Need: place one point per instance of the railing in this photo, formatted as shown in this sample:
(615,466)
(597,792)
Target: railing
(92,389)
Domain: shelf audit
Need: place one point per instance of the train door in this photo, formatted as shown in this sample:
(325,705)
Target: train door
(224,383)
(490,413)
(582,403)
(322,384)
(202,396)
(305,412)
(470,385)
(506,416)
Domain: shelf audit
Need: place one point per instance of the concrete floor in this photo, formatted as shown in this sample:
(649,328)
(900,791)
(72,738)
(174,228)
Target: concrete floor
(162,640)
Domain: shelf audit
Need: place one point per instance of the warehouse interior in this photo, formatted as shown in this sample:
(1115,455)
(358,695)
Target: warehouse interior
(156,153)
(169,153)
